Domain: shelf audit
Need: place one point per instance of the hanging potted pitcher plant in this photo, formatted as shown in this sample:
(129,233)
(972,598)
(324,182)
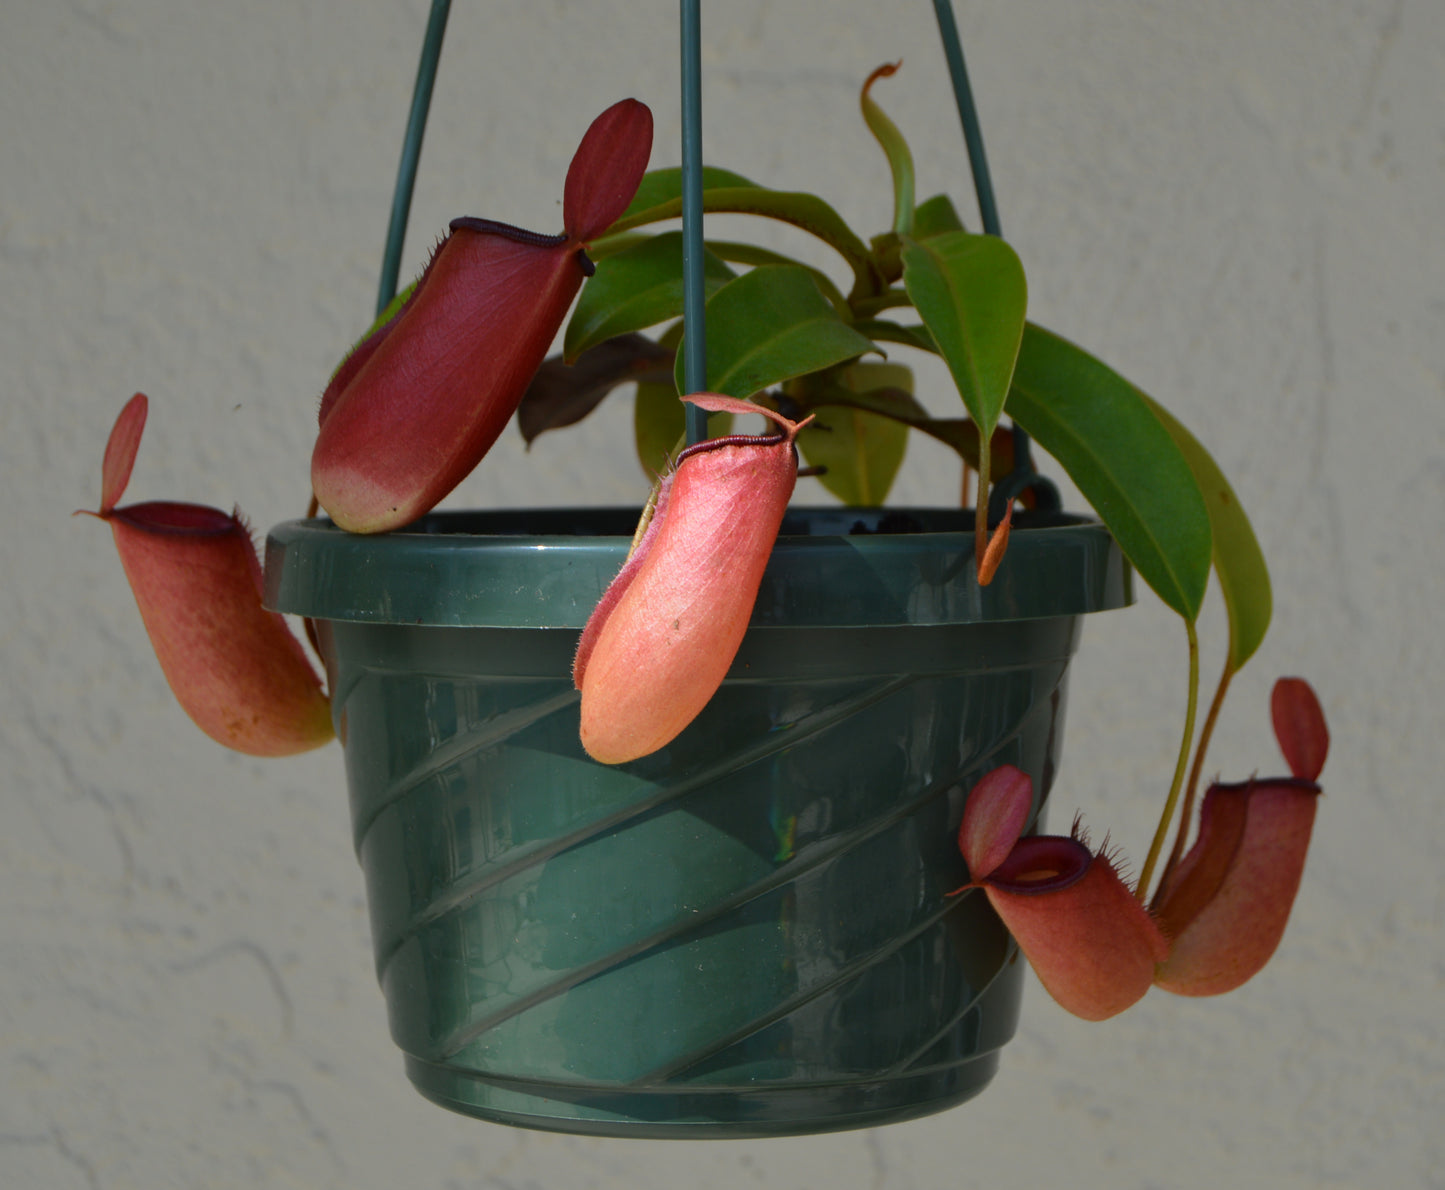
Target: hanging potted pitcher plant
(728,818)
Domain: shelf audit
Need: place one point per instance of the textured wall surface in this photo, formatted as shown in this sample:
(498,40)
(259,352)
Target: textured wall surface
(1237,204)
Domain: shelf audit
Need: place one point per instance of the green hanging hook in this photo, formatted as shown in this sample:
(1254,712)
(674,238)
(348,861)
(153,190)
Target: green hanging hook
(1023,475)
(426,73)
(694,297)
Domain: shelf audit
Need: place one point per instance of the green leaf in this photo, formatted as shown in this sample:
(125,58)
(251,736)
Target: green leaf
(1123,460)
(1238,560)
(862,451)
(562,394)
(661,186)
(882,331)
(806,211)
(658,420)
(657,424)
(637,288)
(604,246)
(886,251)
(961,434)
(657,416)
(888,299)
(895,148)
(820,390)
(768,326)
(750,254)
(869,386)
(934,216)
(971,293)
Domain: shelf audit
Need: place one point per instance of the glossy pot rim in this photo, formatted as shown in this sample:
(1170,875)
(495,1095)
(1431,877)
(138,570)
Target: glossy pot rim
(831,567)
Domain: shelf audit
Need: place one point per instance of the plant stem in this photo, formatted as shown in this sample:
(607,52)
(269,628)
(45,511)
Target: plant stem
(1205,734)
(980,515)
(1142,888)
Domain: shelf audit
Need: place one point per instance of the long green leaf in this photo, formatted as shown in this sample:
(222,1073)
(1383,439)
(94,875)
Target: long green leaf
(768,326)
(660,186)
(895,148)
(635,289)
(604,246)
(861,451)
(1238,560)
(735,252)
(972,296)
(806,211)
(959,433)
(934,216)
(1123,460)
(657,425)
(888,299)
(657,415)
(868,385)
(880,330)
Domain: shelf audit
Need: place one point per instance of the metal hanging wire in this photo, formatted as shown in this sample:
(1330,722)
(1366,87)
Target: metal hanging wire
(694,298)
(426,74)
(1023,476)
(968,115)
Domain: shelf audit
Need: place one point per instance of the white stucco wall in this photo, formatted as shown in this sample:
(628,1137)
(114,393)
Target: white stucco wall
(1237,204)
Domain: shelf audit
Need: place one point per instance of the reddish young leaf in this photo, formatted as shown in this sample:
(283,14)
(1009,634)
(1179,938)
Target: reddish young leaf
(658,647)
(994,551)
(1299,726)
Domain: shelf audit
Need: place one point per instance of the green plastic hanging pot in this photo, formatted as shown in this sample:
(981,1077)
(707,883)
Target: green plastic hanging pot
(749,932)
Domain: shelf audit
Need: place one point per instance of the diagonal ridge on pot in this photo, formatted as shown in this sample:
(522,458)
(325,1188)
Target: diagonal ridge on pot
(806,1022)
(588,908)
(825,863)
(749,923)
(498,851)
(415,772)
(601,804)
